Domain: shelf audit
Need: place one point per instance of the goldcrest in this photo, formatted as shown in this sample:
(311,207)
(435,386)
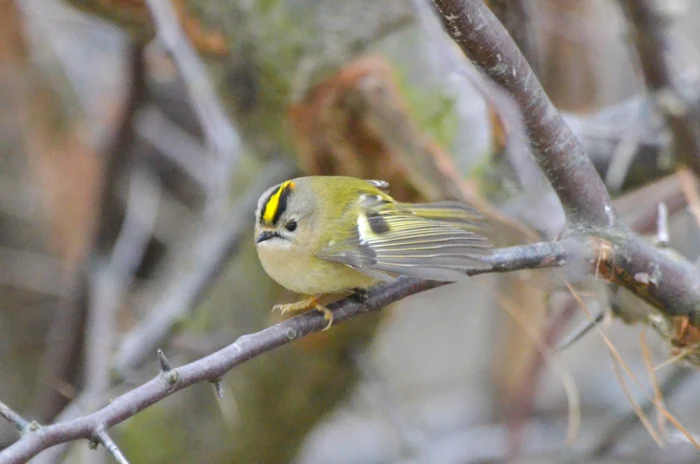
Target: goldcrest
(322,235)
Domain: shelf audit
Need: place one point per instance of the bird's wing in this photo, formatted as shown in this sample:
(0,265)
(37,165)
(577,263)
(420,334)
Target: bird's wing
(437,241)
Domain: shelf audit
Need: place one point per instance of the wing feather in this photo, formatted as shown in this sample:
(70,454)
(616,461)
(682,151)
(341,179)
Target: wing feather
(436,241)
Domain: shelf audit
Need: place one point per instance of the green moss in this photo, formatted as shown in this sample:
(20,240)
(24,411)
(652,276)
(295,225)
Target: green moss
(257,75)
(487,177)
(432,111)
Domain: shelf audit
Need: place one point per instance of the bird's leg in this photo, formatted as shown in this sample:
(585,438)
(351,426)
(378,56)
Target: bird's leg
(303,305)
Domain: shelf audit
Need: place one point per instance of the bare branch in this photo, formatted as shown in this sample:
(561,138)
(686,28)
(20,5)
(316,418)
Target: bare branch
(624,425)
(67,337)
(628,261)
(515,17)
(13,418)
(662,235)
(579,332)
(220,133)
(213,367)
(101,436)
(214,247)
(653,47)
(219,387)
(560,155)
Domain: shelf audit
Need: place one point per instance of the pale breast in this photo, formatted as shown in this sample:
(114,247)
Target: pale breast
(308,275)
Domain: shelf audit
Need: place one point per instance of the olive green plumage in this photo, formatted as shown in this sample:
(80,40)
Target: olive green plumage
(327,234)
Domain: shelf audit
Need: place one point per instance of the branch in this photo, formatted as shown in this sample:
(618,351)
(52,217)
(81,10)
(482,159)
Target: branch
(670,284)
(515,17)
(215,247)
(101,436)
(653,47)
(560,155)
(219,132)
(613,433)
(20,423)
(211,368)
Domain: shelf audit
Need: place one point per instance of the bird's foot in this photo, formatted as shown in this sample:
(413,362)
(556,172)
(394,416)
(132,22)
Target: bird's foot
(303,305)
(327,315)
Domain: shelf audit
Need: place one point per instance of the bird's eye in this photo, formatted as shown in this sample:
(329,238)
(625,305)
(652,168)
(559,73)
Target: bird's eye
(291,226)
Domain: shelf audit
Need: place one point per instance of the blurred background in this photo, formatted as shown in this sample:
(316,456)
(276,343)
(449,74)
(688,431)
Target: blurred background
(136,137)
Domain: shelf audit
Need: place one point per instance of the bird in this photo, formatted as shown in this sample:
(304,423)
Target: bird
(324,235)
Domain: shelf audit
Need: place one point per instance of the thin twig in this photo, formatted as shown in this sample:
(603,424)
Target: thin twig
(214,366)
(103,437)
(13,418)
(618,362)
(654,49)
(221,136)
(621,427)
(579,332)
(658,394)
(110,279)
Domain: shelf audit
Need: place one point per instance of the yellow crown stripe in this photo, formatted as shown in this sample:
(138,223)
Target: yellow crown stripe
(274,202)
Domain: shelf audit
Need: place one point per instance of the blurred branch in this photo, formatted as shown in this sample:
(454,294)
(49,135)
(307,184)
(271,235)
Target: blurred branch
(515,143)
(515,17)
(31,270)
(623,426)
(65,341)
(638,207)
(101,436)
(484,40)
(653,46)
(184,150)
(110,279)
(626,260)
(214,248)
(13,418)
(220,134)
(213,367)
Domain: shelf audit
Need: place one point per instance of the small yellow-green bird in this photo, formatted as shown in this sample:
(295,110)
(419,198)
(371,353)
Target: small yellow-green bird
(322,235)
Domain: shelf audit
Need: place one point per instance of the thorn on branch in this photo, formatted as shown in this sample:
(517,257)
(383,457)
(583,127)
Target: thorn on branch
(102,437)
(578,333)
(662,234)
(219,386)
(171,376)
(165,366)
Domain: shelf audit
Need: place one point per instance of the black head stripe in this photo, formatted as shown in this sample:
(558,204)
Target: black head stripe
(282,204)
(276,203)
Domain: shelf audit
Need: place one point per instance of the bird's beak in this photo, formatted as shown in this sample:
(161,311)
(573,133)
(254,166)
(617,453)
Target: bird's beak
(266,235)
